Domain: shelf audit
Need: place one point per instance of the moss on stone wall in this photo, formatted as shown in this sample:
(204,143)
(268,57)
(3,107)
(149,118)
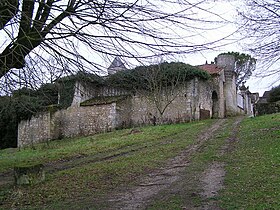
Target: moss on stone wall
(66,91)
(102,100)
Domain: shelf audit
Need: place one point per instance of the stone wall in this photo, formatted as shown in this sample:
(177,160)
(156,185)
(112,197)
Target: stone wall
(75,121)
(123,113)
(192,101)
(205,101)
(144,110)
(87,91)
(87,120)
(240,101)
(35,130)
(244,102)
(188,101)
(228,63)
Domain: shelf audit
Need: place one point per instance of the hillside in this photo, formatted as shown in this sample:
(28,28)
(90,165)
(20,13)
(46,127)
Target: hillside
(228,163)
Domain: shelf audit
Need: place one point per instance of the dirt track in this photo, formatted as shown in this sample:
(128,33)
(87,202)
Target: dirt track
(169,177)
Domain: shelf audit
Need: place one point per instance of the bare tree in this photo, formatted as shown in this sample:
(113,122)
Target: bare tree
(161,88)
(78,33)
(159,84)
(261,19)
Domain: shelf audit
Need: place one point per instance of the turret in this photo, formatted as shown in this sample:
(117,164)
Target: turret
(116,65)
(227,62)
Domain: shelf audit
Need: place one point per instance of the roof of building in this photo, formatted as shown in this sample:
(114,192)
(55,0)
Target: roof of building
(116,65)
(211,68)
(243,87)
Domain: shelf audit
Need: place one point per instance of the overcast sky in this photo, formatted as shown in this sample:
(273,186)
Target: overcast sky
(214,10)
(227,9)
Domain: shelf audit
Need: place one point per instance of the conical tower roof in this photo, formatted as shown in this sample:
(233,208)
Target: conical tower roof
(116,65)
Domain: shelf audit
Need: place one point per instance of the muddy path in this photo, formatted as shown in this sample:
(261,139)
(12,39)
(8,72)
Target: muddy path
(169,178)
(213,177)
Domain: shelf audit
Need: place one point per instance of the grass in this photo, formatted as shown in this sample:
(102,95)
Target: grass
(252,180)
(93,145)
(103,162)
(252,169)
(189,188)
(130,155)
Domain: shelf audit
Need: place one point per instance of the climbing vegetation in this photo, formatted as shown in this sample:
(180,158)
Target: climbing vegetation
(167,74)
(21,105)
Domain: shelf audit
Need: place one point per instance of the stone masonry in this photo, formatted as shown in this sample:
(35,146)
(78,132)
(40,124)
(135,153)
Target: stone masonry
(196,99)
(81,121)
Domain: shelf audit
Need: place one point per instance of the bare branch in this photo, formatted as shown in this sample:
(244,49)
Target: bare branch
(261,19)
(81,31)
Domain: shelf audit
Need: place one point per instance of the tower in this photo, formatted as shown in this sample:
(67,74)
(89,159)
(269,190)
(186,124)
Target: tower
(227,62)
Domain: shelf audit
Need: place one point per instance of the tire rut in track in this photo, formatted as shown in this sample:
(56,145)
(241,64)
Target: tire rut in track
(138,197)
(213,177)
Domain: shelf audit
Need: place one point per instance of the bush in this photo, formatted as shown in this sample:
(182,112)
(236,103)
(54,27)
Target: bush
(274,94)
(21,105)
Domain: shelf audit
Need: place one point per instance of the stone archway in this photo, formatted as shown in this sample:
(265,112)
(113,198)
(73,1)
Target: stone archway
(215,105)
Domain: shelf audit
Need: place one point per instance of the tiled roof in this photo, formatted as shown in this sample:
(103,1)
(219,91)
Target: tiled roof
(211,68)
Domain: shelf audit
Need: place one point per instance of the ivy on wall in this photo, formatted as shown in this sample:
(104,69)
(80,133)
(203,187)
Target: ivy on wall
(66,86)
(24,103)
(21,105)
(167,73)
(139,78)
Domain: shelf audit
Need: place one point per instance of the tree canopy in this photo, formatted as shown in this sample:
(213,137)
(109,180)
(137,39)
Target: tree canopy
(245,64)
(274,94)
(140,78)
(43,40)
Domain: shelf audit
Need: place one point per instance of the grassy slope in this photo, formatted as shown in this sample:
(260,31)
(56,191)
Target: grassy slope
(93,145)
(189,188)
(252,180)
(130,155)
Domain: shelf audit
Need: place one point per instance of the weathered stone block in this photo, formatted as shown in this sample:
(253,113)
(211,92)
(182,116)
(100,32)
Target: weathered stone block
(28,175)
